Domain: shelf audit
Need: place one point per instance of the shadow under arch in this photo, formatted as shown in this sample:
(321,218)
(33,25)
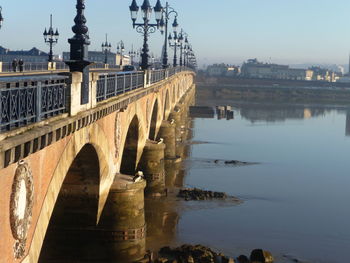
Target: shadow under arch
(154,120)
(75,212)
(166,105)
(129,157)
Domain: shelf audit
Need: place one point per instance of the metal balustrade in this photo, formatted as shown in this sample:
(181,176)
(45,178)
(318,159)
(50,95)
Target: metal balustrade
(158,75)
(97,65)
(61,66)
(114,84)
(29,101)
(25,100)
(110,85)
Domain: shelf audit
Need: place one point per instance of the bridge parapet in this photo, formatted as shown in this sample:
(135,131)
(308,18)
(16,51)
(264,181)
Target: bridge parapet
(28,100)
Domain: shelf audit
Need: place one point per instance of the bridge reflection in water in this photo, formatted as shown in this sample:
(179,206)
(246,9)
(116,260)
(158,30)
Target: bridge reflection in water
(129,223)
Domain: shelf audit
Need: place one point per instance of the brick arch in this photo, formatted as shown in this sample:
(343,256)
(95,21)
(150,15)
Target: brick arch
(130,149)
(167,105)
(154,120)
(95,137)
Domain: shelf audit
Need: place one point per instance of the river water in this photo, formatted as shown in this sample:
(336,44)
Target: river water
(295,197)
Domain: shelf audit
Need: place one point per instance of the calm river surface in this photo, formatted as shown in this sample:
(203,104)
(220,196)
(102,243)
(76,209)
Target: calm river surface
(295,199)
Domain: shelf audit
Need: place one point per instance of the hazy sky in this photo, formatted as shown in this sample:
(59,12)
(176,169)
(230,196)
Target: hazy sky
(231,31)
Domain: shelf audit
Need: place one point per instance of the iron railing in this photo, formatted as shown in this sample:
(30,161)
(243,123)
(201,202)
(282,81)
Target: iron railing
(158,75)
(29,101)
(61,66)
(111,85)
(114,84)
(97,65)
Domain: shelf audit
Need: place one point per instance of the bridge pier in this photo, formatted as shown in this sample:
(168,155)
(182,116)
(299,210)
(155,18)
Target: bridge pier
(171,160)
(176,116)
(122,227)
(167,132)
(152,165)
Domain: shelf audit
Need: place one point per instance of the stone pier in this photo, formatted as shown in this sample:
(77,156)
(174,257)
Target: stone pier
(152,166)
(122,226)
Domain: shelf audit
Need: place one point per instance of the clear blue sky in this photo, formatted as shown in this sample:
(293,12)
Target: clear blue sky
(283,31)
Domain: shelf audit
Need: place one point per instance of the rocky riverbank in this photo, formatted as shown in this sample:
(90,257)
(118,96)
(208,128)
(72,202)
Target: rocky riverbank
(202,254)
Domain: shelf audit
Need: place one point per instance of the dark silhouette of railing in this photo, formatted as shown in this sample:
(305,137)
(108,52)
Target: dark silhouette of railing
(30,101)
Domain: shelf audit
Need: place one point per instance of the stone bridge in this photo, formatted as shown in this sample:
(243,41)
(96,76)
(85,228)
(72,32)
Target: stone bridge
(66,167)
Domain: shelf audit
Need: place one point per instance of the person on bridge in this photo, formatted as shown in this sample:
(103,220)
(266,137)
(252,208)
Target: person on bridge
(20,64)
(14,65)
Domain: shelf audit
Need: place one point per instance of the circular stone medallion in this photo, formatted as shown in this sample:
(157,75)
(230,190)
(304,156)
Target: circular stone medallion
(21,207)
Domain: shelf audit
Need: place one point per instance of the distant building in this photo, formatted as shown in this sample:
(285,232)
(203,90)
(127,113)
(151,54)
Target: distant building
(99,57)
(217,70)
(322,74)
(32,55)
(255,69)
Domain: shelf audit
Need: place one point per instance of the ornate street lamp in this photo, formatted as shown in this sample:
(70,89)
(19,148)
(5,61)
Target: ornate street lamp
(79,43)
(175,41)
(120,51)
(164,30)
(186,50)
(79,56)
(133,54)
(51,38)
(192,61)
(1,17)
(106,48)
(145,28)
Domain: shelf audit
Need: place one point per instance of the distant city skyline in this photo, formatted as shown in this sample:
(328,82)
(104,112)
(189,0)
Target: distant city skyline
(286,32)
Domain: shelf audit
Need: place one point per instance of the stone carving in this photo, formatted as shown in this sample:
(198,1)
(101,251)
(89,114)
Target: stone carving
(118,135)
(21,207)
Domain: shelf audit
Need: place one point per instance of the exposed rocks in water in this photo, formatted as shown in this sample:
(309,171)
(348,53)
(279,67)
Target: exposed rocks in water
(199,194)
(193,254)
(243,259)
(202,254)
(233,162)
(259,255)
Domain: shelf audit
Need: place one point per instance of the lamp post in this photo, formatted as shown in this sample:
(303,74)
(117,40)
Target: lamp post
(106,48)
(183,42)
(51,38)
(79,42)
(133,54)
(185,52)
(192,61)
(145,28)
(164,30)
(175,42)
(120,51)
(79,55)
(1,17)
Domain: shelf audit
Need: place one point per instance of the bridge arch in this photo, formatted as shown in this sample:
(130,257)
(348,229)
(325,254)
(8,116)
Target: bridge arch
(76,209)
(131,148)
(95,138)
(167,105)
(154,120)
